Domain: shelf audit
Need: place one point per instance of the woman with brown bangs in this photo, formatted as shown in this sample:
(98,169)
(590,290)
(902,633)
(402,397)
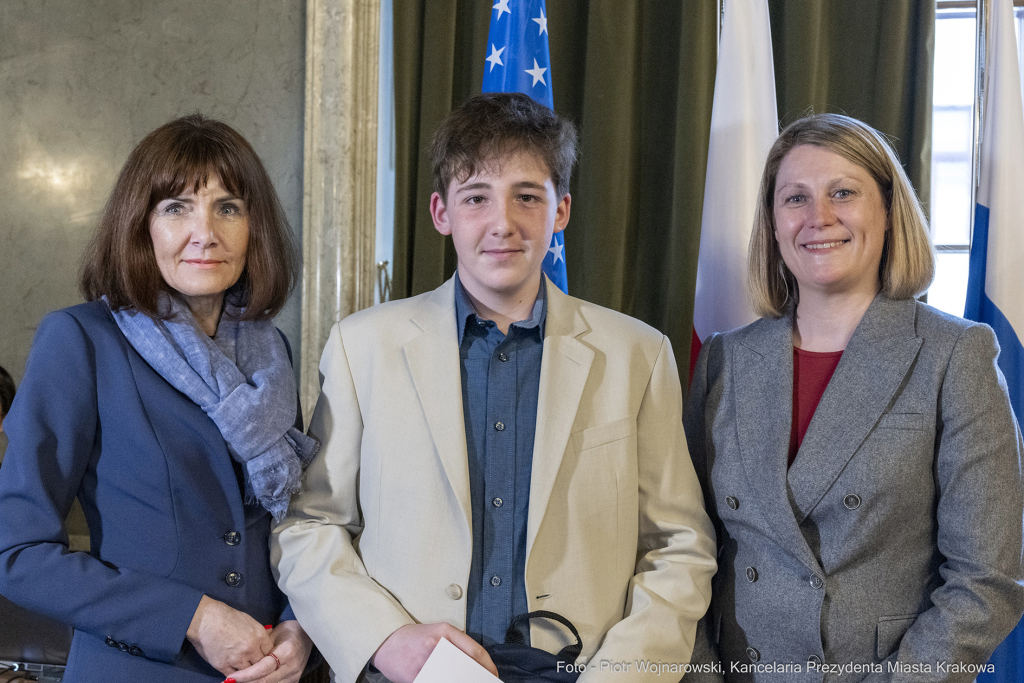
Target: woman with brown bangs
(167,405)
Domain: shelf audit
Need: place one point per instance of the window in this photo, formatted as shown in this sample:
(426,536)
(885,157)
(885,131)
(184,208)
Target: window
(953,105)
(952,152)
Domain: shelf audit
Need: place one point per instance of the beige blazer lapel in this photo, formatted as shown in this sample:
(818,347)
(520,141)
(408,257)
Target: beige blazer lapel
(433,358)
(763,362)
(565,366)
(874,365)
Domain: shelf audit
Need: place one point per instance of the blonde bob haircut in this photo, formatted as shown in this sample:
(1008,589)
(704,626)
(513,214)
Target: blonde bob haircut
(908,263)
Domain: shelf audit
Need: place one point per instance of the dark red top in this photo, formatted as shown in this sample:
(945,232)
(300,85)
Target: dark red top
(811,372)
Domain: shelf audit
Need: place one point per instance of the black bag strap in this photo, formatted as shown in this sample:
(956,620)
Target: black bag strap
(569,653)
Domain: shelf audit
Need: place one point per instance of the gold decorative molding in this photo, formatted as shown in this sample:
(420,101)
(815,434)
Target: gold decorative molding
(340,173)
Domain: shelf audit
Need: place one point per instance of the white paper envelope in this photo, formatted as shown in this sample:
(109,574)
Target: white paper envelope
(449,664)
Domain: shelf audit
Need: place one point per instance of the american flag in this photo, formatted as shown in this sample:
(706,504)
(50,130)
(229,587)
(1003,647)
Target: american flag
(518,61)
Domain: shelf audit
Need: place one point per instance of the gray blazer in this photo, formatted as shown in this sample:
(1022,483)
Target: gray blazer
(894,540)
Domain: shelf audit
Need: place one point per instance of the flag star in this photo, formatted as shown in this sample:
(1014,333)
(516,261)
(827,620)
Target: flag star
(556,251)
(542,21)
(537,72)
(495,57)
(502,6)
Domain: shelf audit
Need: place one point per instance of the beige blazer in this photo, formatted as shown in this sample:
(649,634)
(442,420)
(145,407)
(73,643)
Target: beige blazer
(380,536)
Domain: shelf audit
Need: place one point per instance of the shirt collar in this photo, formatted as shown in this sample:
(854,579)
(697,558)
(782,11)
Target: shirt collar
(464,311)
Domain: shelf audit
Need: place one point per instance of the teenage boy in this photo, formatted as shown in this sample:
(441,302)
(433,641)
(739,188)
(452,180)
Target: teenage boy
(495,447)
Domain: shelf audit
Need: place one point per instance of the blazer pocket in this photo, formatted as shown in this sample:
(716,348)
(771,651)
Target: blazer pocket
(890,632)
(604,434)
(912,421)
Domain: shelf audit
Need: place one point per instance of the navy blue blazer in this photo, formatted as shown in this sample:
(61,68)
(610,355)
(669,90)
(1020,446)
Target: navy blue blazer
(161,495)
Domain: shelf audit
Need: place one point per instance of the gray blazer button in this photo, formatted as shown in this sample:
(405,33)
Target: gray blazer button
(733,504)
(816,581)
(454,591)
(852,501)
(753,654)
(233,579)
(751,574)
(814,660)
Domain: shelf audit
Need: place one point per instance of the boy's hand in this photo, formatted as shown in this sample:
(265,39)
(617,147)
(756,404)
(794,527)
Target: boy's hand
(403,654)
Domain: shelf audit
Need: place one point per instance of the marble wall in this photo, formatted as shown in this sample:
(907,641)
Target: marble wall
(82,81)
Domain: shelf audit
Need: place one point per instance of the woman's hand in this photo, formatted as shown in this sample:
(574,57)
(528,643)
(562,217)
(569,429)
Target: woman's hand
(291,648)
(226,638)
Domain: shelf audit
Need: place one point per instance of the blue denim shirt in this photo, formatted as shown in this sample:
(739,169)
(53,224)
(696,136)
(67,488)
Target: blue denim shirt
(500,388)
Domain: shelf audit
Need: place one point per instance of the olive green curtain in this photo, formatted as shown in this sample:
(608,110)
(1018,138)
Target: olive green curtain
(870,59)
(637,78)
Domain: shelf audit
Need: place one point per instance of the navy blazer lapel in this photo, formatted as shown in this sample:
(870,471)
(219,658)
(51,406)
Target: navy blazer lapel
(179,425)
(876,361)
(763,391)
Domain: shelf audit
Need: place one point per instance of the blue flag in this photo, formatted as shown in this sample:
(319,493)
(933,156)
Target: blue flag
(995,282)
(518,61)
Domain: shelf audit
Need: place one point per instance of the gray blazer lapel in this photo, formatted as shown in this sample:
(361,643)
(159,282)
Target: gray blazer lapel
(565,367)
(433,359)
(763,362)
(876,361)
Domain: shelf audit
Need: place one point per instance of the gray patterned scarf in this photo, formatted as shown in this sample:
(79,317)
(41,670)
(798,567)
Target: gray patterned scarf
(243,380)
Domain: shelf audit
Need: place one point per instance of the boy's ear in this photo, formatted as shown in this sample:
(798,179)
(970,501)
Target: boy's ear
(562,213)
(439,213)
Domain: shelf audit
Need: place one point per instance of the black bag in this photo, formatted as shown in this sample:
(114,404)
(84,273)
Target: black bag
(517,662)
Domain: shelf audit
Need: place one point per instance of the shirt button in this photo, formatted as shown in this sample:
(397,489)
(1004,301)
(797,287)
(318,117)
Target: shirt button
(732,502)
(753,654)
(751,574)
(233,579)
(816,581)
(852,501)
(502,357)
(495,581)
(497,502)
(814,660)
(500,426)
(454,591)
(232,537)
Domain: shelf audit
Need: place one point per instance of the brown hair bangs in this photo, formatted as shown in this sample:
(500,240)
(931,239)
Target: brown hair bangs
(179,156)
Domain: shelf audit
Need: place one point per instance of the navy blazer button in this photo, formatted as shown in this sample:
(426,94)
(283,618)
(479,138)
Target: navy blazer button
(816,581)
(852,501)
(135,650)
(233,579)
(110,641)
(732,502)
(751,574)
(753,654)
(814,660)
(122,647)
(454,591)
(232,537)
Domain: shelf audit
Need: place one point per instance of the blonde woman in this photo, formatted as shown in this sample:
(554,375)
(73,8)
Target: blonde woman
(857,449)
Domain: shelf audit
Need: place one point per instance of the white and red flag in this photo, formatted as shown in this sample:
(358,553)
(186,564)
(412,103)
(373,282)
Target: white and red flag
(744,124)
